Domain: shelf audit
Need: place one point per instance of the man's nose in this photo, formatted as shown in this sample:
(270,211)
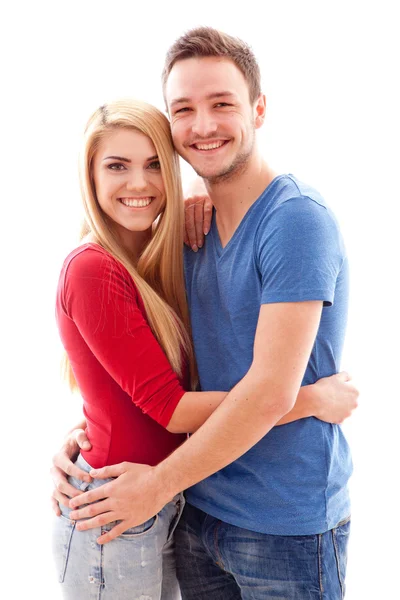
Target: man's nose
(204,124)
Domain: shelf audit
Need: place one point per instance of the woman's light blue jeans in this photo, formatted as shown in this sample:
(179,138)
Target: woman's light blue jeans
(138,565)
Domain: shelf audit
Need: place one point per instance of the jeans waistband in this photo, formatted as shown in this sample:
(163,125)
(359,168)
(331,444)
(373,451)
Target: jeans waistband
(83,464)
(84,485)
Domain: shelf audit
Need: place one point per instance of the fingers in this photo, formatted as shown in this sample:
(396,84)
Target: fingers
(63,460)
(61,498)
(343,376)
(81,439)
(108,472)
(113,533)
(61,483)
(199,221)
(55,506)
(354,395)
(91,510)
(190,227)
(198,214)
(99,493)
(64,464)
(98,521)
(208,207)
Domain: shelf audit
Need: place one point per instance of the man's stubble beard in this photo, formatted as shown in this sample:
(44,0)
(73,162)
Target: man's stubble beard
(235,169)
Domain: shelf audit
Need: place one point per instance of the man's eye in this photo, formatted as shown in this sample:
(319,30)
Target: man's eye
(222,104)
(181,110)
(155,165)
(116,167)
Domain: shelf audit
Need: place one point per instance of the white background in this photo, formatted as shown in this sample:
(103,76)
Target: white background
(329,72)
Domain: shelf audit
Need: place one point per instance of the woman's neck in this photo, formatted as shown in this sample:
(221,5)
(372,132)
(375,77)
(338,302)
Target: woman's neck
(133,242)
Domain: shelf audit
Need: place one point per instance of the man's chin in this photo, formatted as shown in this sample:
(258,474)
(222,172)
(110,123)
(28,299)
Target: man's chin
(211,173)
(223,172)
(207,173)
(218,176)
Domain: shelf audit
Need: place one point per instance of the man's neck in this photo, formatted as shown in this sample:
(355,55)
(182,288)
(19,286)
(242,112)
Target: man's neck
(233,197)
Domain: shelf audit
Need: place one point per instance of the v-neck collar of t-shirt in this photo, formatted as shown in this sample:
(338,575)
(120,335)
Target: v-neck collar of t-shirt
(219,248)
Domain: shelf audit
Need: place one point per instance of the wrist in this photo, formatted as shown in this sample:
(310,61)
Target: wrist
(309,397)
(164,483)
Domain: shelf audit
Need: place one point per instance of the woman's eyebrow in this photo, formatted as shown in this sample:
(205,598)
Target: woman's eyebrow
(117,158)
(128,160)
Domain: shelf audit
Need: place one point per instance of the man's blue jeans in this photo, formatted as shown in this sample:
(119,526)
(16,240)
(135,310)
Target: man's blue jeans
(218,561)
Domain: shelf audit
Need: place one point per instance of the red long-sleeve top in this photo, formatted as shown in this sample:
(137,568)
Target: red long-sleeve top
(128,387)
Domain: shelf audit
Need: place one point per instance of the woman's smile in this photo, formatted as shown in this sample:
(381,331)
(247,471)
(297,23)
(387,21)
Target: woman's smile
(142,202)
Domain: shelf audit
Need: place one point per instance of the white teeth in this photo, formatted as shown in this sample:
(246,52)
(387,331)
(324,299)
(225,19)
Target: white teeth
(136,203)
(209,146)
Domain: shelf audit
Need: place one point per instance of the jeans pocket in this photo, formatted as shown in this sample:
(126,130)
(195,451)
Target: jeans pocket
(340,537)
(62,536)
(145,528)
(180,505)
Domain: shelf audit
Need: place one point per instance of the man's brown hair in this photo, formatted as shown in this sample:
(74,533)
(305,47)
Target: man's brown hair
(206,41)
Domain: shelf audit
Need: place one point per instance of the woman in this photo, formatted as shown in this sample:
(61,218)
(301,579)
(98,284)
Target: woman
(123,320)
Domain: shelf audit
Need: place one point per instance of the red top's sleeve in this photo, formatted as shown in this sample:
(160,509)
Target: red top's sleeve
(100,297)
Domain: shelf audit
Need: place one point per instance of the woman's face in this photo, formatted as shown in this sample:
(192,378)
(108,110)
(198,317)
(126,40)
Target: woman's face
(128,180)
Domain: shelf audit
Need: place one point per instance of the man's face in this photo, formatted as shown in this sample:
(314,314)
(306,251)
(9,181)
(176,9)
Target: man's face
(212,120)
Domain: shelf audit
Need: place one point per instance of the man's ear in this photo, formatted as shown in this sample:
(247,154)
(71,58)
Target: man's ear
(260,109)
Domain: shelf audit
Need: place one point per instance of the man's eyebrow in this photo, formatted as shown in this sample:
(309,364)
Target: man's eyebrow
(179,101)
(155,157)
(220,94)
(184,99)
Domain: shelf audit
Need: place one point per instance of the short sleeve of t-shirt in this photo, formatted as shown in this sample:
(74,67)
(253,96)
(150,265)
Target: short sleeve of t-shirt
(299,252)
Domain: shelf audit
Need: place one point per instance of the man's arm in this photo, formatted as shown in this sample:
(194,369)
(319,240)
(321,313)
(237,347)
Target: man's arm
(284,339)
(331,399)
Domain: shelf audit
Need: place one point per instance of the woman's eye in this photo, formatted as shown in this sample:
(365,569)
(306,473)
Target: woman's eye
(155,165)
(116,167)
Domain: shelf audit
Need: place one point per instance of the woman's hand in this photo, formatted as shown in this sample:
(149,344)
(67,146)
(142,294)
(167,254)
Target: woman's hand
(333,398)
(63,465)
(198,214)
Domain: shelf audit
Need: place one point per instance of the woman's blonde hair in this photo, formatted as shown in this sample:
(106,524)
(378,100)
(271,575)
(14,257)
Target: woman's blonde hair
(158,274)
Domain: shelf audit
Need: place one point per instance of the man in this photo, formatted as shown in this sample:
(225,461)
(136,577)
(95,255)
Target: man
(267,512)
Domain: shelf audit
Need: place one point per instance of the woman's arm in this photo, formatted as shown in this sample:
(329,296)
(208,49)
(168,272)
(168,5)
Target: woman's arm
(331,399)
(99,297)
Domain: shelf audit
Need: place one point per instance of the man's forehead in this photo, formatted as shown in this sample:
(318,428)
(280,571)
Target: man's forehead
(203,77)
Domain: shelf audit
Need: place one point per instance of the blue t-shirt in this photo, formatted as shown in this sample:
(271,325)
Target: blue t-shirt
(287,248)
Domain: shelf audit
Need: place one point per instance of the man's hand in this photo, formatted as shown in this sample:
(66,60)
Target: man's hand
(63,465)
(198,214)
(335,397)
(132,498)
